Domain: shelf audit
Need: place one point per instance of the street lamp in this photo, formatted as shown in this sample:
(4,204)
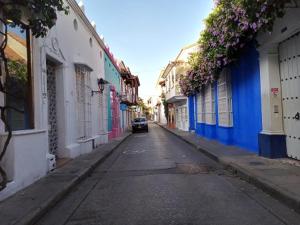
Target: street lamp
(101,86)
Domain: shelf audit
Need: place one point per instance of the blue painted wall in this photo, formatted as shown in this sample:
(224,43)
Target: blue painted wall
(111,73)
(113,77)
(246,102)
(191,106)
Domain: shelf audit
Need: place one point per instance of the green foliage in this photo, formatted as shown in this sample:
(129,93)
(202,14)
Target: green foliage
(166,108)
(37,15)
(18,70)
(231,26)
(194,60)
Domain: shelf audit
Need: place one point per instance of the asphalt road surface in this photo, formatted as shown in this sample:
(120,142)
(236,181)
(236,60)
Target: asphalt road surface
(155,178)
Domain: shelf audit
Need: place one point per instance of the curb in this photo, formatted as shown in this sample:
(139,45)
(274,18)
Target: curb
(37,214)
(279,194)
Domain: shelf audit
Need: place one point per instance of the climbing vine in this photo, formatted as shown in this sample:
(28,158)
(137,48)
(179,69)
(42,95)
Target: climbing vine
(37,15)
(166,110)
(229,28)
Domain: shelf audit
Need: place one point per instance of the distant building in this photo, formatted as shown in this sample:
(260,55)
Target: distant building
(129,95)
(177,103)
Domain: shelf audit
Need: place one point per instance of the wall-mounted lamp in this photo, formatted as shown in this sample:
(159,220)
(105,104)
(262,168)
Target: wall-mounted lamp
(101,86)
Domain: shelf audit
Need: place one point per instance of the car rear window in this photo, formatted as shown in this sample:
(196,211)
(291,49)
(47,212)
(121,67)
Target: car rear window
(139,120)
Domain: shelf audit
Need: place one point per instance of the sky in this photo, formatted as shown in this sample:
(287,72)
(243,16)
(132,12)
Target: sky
(147,34)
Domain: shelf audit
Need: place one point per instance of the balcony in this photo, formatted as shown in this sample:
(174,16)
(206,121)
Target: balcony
(174,94)
(127,98)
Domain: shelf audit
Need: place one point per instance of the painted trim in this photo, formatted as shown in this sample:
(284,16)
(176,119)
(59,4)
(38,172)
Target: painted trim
(24,132)
(272,146)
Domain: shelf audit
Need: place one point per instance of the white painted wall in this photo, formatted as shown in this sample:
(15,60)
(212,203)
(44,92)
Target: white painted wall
(160,116)
(270,72)
(26,158)
(68,47)
(25,161)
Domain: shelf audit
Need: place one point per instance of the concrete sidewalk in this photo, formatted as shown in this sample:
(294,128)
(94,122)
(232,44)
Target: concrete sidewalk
(28,205)
(279,178)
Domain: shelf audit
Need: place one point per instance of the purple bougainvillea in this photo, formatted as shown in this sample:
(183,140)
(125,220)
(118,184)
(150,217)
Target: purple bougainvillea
(229,28)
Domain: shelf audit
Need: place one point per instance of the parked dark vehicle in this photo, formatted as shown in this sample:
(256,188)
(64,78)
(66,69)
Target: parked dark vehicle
(139,124)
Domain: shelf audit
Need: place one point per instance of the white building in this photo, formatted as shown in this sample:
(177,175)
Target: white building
(280,85)
(177,102)
(158,101)
(61,115)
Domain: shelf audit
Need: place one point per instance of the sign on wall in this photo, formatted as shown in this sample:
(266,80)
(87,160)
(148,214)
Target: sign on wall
(123,107)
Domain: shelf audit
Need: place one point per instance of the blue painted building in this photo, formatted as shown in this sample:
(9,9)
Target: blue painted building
(230,109)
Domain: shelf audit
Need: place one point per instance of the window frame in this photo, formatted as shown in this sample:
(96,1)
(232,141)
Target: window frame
(225,80)
(200,107)
(84,121)
(206,112)
(29,84)
(209,104)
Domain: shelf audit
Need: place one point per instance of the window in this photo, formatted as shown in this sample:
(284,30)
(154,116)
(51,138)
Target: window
(206,106)
(18,82)
(167,85)
(75,24)
(91,42)
(137,120)
(200,108)
(173,80)
(210,113)
(225,114)
(84,109)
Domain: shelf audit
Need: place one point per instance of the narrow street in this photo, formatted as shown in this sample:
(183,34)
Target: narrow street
(155,178)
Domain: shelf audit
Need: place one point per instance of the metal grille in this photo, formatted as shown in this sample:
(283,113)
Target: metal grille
(225,115)
(181,117)
(84,106)
(52,115)
(206,105)
(209,98)
(200,108)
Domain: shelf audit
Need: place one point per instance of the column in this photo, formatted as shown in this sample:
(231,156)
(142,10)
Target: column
(272,138)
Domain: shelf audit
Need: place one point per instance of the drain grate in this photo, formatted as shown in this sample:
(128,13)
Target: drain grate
(187,168)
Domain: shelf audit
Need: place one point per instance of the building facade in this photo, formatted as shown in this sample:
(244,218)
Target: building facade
(129,95)
(255,102)
(177,103)
(61,110)
(159,100)
(280,86)
(113,77)
(229,110)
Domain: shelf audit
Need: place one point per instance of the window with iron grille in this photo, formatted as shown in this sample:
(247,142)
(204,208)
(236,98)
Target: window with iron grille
(209,104)
(200,108)
(225,113)
(84,109)
(206,106)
